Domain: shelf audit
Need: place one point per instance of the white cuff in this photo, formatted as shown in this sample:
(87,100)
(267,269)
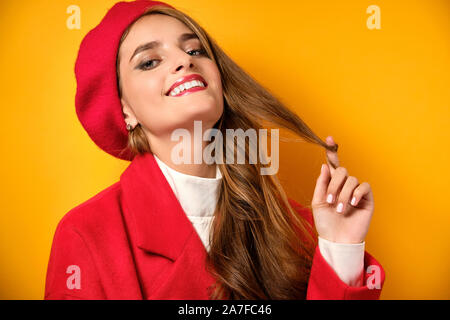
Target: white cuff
(347,260)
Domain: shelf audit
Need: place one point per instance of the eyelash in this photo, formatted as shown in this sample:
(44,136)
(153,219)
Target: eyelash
(143,64)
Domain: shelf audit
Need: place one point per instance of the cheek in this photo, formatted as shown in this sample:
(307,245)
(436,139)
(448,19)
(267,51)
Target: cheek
(147,87)
(214,75)
(145,94)
(146,98)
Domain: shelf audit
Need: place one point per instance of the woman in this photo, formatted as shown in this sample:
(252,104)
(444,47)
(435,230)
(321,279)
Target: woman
(170,230)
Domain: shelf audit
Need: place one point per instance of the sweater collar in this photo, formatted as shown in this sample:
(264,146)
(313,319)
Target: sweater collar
(161,224)
(197,195)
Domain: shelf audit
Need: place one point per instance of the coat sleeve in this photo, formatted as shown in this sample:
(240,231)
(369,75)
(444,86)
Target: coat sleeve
(325,284)
(71,271)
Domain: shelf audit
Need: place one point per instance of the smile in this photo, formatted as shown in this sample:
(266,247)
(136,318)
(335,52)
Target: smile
(187,84)
(183,92)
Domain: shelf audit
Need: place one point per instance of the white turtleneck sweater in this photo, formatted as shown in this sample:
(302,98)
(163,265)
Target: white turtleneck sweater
(198,198)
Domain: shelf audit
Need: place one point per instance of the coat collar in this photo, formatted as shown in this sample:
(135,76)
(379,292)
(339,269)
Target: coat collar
(161,224)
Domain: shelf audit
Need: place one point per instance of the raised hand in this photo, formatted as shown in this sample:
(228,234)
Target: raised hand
(342,207)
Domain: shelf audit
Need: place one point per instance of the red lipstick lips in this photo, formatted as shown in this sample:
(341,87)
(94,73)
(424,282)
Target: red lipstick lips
(187,79)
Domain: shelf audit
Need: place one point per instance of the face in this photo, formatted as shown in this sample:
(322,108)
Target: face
(147,77)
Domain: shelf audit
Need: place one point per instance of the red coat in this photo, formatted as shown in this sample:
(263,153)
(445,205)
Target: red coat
(134,241)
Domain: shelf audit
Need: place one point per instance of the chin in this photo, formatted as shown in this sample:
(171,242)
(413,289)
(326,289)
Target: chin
(208,119)
(204,112)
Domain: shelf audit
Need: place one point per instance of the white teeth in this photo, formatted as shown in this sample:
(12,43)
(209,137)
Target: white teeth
(185,86)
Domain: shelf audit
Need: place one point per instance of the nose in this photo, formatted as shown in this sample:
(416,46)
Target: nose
(184,60)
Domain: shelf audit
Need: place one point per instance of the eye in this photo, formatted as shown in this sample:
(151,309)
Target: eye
(200,51)
(147,65)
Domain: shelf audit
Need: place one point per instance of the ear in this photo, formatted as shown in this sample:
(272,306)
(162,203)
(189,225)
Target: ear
(128,113)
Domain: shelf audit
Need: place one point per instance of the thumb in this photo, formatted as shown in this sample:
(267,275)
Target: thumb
(332,157)
(321,185)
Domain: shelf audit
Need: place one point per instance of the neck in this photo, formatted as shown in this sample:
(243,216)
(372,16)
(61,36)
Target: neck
(200,170)
(162,148)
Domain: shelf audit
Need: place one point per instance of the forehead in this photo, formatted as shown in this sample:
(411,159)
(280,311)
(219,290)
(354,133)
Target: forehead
(153,27)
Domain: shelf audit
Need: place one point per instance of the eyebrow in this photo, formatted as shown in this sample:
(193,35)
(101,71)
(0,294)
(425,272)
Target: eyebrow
(154,44)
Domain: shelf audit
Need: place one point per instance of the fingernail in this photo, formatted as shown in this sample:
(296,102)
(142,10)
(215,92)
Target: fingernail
(353,201)
(330,198)
(340,207)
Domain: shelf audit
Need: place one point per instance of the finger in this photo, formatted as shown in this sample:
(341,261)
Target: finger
(321,185)
(336,183)
(363,191)
(332,157)
(347,191)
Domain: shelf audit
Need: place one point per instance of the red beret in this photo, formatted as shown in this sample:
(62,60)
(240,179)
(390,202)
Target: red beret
(97,100)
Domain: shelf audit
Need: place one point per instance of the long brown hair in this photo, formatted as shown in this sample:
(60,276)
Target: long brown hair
(260,248)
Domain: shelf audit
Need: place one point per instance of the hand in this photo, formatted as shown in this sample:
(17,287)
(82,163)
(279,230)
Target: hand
(352,223)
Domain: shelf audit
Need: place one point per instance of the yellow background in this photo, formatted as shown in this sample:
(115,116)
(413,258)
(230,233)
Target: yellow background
(383,94)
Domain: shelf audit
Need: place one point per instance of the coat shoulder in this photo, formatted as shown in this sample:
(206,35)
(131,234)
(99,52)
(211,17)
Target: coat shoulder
(95,211)
(79,233)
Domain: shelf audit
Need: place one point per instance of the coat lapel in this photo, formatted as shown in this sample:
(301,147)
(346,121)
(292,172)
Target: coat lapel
(163,228)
